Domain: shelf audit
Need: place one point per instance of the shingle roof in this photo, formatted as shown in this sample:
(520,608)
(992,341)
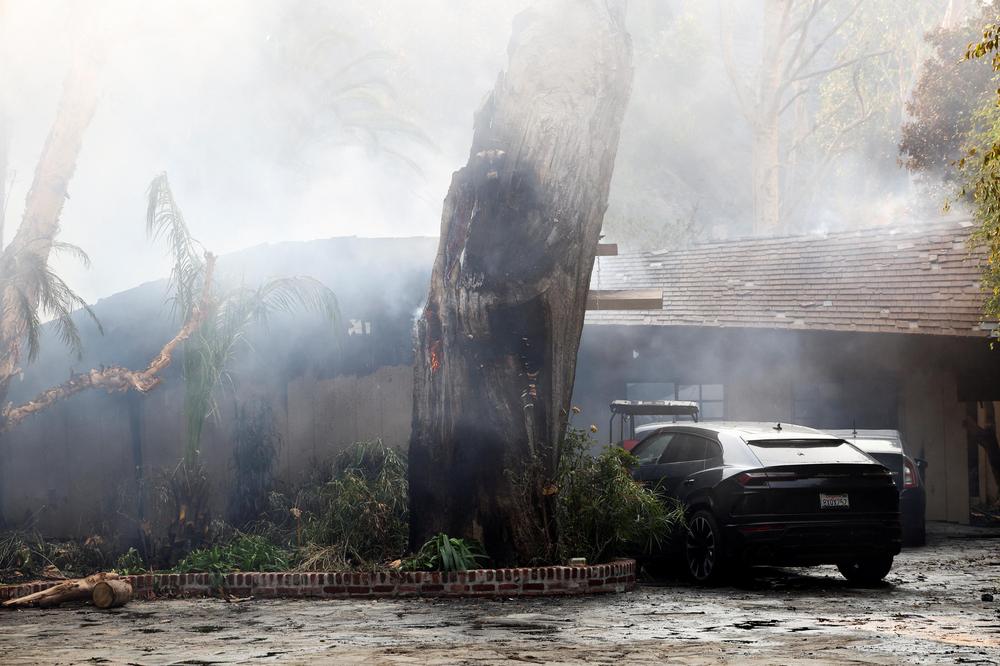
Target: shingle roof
(917,279)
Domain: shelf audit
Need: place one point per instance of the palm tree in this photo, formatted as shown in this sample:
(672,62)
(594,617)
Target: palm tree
(326,93)
(235,310)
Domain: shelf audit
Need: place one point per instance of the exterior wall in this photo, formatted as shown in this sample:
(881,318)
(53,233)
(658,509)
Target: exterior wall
(920,385)
(327,415)
(931,423)
(72,471)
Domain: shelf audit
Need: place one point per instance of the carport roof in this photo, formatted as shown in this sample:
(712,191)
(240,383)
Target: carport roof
(918,279)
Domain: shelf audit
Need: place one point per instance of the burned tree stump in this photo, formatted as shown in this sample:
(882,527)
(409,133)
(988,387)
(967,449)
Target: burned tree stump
(498,337)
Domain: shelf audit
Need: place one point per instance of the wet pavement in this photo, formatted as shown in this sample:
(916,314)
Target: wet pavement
(931,610)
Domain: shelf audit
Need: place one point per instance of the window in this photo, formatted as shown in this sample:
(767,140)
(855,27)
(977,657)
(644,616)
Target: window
(359,327)
(691,448)
(650,449)
(710,398)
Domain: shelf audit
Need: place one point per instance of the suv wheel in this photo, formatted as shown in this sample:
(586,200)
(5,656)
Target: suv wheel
(868,570)
(703,548)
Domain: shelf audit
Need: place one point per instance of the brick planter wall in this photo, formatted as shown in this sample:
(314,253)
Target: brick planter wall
(618,576)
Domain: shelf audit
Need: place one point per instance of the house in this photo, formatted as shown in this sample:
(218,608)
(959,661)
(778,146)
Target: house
(874,328)
(98,458)
(877,328)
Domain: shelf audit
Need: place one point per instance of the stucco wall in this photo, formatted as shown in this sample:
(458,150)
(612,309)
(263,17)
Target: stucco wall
(71,472)
(906,382)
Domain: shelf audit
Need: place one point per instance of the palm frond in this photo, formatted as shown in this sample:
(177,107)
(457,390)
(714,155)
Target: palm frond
(164,219)
(75,250)
(29,315)
(37,290)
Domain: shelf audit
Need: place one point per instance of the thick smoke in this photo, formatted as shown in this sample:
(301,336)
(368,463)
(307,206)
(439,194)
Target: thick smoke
(238,102)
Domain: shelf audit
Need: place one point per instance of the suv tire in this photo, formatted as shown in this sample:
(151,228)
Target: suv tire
(703,552)
(867,570)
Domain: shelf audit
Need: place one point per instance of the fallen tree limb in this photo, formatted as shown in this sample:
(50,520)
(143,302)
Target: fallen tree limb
(78,589)
(116,378)
(112,593)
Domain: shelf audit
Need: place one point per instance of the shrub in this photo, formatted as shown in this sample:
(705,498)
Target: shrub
(27,554)
(602,512)
(362,509)
(130,562)
(444,553)
(256,442)
(246,552)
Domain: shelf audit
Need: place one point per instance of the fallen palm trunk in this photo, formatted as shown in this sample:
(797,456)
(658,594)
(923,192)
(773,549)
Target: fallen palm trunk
(112,593)
(79,589)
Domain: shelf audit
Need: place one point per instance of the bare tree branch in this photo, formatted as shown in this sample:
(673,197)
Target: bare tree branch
(804,62)
(784,107)
(840,65)
(730,66)
(116,378)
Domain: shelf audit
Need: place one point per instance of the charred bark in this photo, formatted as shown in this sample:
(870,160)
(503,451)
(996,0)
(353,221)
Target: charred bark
(497,340)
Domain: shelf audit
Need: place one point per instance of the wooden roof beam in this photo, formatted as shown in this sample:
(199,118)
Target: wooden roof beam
(625,299)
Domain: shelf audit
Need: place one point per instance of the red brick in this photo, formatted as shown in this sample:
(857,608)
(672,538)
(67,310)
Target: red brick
(503,587)
(431,587)
(527,587)
(382,589)
(334,589)
(484,587)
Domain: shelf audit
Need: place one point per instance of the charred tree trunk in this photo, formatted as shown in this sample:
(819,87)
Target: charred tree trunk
(497,341)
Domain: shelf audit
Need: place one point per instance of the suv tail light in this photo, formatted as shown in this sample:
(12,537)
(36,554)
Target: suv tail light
(761,478)
(910,477)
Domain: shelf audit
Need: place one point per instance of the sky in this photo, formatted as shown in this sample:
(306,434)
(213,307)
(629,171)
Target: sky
(195,89)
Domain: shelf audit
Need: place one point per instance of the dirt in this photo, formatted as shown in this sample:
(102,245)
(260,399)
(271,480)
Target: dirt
(929,611)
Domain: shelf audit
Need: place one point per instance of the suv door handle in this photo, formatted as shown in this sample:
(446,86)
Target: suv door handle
(688,482)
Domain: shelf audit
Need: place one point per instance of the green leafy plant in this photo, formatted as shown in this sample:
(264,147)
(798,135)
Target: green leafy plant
(233,311)
(363,509)
(445,553)
(130,562)
(246,552)
(602,512)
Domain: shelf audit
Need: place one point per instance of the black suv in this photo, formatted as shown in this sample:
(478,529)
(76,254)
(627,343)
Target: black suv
(777,494)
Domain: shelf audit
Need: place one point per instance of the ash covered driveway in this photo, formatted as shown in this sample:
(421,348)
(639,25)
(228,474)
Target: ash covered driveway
(931,611)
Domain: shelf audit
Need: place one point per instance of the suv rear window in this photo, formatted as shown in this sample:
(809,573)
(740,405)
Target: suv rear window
(805,452)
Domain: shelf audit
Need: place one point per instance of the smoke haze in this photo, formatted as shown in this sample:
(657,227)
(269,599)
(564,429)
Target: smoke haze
(238,103)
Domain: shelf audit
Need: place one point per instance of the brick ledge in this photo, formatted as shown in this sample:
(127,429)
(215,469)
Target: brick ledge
(617,576)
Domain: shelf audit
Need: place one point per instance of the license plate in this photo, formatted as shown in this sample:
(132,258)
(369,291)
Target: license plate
(833,501)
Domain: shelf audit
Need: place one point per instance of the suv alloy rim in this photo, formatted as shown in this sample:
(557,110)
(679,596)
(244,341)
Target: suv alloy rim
(701,548)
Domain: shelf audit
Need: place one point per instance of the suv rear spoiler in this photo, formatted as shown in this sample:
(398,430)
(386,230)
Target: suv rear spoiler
(626,409)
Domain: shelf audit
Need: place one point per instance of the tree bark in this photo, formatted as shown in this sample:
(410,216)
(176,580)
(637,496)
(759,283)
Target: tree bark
(112,593)
(78,589)
(43,206)
(497,340)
